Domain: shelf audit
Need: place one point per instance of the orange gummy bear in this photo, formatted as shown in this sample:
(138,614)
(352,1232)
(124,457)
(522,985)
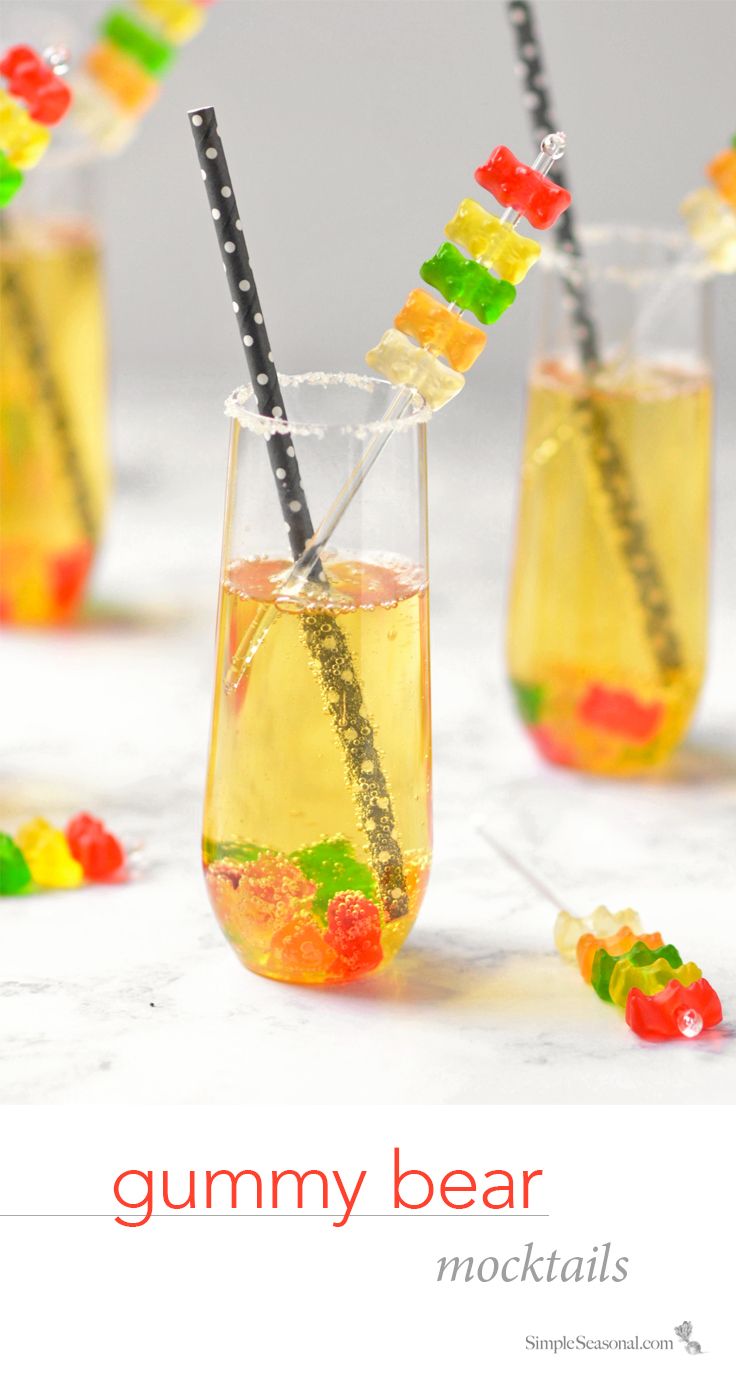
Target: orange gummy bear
(122,78)
(617,944)
(255,899)
(433,326)
(722,172)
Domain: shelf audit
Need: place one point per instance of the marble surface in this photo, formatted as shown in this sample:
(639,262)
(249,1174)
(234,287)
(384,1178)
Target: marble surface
(132,994)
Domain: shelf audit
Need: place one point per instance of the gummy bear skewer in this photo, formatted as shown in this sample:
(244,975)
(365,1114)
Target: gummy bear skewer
(323,636)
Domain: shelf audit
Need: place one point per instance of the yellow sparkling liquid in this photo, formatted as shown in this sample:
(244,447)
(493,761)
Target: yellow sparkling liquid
(287,860)
(583,669)
(53,478)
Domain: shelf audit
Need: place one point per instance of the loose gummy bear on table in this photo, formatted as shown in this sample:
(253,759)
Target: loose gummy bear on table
(100,854)
(48,855)
(15,875)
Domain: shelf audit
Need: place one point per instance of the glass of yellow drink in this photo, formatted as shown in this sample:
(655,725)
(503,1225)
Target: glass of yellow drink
(608,607)
(317,821)
(53,456)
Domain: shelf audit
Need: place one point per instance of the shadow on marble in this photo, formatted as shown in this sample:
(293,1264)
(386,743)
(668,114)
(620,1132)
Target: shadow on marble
(700,762)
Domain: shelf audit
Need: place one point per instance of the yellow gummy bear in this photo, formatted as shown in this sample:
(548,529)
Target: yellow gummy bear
(650,979)
(722,171)
(439,330)
(48,855)
(98,115)
(712,225)
(601,922)
(178,20)
(397,358)
(487,239)
(22,139)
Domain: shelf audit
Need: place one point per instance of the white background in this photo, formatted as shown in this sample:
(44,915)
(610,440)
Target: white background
(187,1301)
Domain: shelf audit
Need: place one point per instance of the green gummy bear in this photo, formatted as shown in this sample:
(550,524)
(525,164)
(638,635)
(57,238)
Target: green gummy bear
(529,700)
(213,851)
(639,954)
(15,875)
(148,50)
(11,179)
(332,865)
(467,284)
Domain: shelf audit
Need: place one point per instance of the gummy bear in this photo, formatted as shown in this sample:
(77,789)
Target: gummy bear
(529,700)
(15,875)
(69,572)
(332,865)
(649,979)
(722,172)
(712,225)
(99,116)
(153,54)
(99,852)
(177,19)
(621,713)
(551,746)
(397,358)
(492,242)
(639,954)
(676,1011)
(618,944)
(435,327)
(124,79)
(256,898)
(300,950)
(526,190)
(48,856)
(11,180)
(23,140)
(30,78)
(354,932)
(467,284)
(601,922)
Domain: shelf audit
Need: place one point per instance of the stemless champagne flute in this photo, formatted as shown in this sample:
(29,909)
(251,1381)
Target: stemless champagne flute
(608,608)
(317,824)
(54,479)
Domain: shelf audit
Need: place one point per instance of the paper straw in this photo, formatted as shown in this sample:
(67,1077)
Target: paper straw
(52,400)
(612,473)
(325,640)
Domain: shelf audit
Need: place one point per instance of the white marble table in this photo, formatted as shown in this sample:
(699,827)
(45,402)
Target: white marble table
(133,995)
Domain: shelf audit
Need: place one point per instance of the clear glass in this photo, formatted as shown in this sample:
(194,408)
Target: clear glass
(54,476)
(608,609)
(317,822)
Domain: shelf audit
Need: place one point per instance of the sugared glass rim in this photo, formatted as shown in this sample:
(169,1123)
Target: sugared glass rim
(237,407)
(684,261)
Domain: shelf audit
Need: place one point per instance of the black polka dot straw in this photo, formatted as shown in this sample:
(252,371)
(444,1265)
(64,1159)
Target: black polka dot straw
(327,645)
(251,326)
(611,475)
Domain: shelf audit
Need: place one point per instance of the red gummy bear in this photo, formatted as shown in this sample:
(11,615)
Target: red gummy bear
(29,77)
(550,746)
(99,852)
(68,576)
(676,1011)
(354,931)
(618,711)
(526,190)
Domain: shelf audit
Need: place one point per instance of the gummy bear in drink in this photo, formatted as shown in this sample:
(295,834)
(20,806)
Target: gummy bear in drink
(53,462)
(287,864)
